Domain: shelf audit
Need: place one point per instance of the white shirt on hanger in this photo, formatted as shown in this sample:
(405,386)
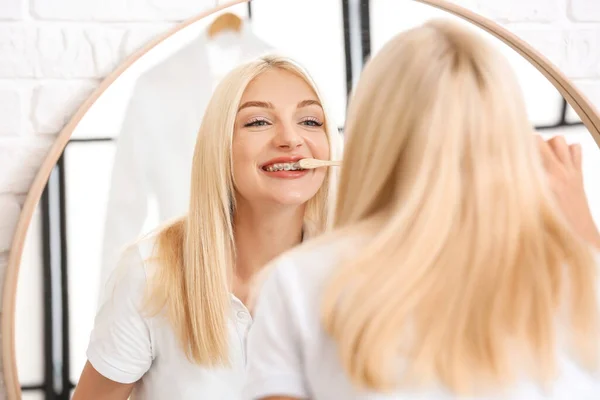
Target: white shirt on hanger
(290,354)
(153,160)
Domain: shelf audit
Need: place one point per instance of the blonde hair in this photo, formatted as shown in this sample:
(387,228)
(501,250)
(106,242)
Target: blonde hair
(472,263)
(196,254)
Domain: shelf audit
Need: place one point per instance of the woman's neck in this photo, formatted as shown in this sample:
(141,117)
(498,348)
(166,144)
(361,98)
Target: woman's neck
(263,234)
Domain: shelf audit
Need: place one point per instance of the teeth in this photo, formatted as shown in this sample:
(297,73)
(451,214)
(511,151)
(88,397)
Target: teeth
(282,167)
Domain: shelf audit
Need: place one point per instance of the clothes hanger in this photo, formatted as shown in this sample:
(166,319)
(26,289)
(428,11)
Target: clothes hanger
(225,22)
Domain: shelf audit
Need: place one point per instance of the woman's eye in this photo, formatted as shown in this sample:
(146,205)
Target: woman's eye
(257,122)
(312,122)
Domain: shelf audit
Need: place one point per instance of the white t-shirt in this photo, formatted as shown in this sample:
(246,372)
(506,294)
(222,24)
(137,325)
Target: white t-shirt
(290,354)
(126,346)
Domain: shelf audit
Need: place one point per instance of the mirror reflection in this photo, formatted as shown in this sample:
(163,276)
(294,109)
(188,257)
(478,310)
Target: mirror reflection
(128,166)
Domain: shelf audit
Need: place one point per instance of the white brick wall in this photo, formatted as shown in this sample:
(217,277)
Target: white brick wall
(117,10)
(12,9)
(543,11)
(583,10)
(54,52)
(51,103)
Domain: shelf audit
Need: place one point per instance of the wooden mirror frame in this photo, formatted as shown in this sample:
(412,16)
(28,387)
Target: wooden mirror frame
(575,98)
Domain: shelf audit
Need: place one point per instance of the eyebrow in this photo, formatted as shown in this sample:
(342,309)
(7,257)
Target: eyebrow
(265,104)
(306,103)
(261,104)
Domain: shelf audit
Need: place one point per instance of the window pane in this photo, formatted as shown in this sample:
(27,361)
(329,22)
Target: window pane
(87,179)
(389,17)
(311,32)
(33,395)
(29,312)
(572,116)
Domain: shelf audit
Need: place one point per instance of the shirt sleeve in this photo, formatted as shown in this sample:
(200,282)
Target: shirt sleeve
(120,346)
(275,365)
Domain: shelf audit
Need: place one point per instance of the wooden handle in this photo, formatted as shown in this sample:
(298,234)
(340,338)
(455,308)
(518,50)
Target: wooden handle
(310,163)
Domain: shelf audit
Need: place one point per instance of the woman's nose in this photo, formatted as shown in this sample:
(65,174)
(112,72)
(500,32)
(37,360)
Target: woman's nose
(288,138)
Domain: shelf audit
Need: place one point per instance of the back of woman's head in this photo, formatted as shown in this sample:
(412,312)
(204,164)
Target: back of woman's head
(472,264)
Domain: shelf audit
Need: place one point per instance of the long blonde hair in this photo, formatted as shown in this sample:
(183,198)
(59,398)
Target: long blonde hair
(196,254)
(472,263)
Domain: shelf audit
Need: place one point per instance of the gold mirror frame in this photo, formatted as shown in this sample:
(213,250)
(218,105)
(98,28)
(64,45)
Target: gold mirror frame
(575,98)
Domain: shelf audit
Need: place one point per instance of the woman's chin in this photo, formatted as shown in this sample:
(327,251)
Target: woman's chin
(289,198)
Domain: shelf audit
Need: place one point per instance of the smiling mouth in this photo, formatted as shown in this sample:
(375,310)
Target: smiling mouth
(292,166)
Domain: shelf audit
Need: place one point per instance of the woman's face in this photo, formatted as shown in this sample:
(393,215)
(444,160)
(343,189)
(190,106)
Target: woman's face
(279,121)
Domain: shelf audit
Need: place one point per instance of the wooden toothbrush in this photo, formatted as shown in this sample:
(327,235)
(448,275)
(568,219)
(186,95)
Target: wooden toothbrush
(311,163)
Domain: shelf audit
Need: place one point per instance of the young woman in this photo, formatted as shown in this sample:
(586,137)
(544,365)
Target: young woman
(459,266)
(174,322)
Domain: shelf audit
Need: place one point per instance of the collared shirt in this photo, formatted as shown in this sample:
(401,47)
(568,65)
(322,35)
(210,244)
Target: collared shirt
(127,346)
(289,353)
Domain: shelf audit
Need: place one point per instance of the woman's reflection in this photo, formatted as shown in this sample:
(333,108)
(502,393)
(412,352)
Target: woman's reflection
(173,321)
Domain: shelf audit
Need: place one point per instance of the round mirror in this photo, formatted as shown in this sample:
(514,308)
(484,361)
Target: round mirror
(125,167)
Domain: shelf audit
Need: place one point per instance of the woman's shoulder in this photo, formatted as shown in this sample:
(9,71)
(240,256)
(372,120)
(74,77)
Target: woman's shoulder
(294,281)
(310,263)
(135,265)
(146,249)
(327,246)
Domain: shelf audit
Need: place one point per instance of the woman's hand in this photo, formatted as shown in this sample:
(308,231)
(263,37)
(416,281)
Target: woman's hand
(564,167)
